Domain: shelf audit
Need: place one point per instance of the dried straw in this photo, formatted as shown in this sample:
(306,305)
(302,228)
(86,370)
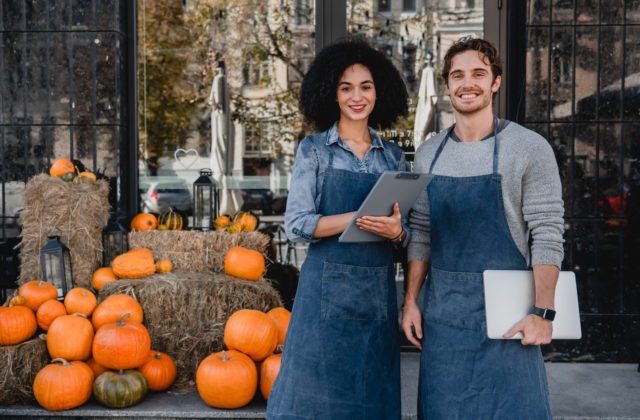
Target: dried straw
(19,365)
(185,312)
(75,212)
(194,250)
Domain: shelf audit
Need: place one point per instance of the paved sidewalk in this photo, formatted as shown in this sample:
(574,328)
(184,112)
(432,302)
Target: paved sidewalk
(579,391)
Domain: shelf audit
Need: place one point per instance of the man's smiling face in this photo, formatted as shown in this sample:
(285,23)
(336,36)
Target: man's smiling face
(470,82)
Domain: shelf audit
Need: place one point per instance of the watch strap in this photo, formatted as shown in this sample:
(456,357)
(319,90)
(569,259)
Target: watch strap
(544,313)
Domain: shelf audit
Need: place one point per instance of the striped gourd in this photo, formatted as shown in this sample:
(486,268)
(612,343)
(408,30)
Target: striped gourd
(171,219)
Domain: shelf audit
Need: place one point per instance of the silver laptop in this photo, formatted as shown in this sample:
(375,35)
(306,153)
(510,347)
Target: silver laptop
(509,297)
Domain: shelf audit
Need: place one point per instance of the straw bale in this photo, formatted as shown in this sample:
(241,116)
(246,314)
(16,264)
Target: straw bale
(19,365)
(76,212)
(185,312)
(194,250)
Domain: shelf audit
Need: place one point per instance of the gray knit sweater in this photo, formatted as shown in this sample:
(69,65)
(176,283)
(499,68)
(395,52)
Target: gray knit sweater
(531,188)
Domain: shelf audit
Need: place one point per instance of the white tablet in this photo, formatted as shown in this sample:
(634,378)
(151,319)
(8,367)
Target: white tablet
(392,187)
(509,296)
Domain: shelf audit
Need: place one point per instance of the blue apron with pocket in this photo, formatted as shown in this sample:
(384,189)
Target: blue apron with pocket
(341,359)
(464,374)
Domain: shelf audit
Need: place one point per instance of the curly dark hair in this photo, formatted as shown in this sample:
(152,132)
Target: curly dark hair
(487,49)
(318,93)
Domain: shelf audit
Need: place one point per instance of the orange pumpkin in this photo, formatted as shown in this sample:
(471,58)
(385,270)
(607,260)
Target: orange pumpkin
(227,379)
(221,222)
(17,324)
(96,368)
(36,292)
(159,370)
(63,386)
(247,221)
(164,266)
(281,317)
(69,337)
(252,332)
(49,311)
(80,300)
(122,345)
(268,373)
(101,277)
(144,221)
(17,300)
(133,265)
(244,263)
(113,307)
(61,166)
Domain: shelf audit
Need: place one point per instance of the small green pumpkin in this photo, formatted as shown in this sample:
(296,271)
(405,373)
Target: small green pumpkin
(68,177)
(120,389)
(171,219)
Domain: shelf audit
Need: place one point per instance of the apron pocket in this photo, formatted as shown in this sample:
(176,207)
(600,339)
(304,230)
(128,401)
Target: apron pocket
(354,292)
(455,299)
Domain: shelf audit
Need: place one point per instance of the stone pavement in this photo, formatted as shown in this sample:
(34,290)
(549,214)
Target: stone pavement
(579,391)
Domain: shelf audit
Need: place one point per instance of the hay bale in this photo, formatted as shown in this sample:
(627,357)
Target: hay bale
(196,251)
(185,312)
(19,365)
(75,212)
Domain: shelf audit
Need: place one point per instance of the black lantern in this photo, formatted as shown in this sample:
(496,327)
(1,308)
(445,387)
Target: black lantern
(55,266)
(114,241)
(206,200)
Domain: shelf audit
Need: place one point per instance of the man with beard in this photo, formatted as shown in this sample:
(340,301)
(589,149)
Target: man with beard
(495,185)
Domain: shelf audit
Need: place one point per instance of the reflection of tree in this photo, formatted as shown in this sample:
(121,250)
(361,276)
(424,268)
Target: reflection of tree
(166,97)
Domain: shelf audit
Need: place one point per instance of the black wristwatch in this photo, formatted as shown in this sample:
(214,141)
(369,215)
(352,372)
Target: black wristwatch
(544,313)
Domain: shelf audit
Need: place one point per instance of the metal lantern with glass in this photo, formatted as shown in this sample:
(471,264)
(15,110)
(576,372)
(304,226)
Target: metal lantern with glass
(114,241)
(206,200)
(55,266)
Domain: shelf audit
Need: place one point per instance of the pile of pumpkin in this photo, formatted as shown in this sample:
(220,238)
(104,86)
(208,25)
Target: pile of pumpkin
(134,264)
(71,172)
(254,339)
(170,219)
(103,350)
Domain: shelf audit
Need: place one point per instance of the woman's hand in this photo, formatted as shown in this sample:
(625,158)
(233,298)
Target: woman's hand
(388,227)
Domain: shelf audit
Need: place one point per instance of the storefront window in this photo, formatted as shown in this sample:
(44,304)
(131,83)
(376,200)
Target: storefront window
(218,88)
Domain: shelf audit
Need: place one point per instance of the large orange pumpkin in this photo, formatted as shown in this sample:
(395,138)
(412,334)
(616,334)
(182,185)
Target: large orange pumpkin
(227,379)
(113,307)
(101,277)
(36,292)
(133,265)
(80,300)
(143,252)
(252,332)
(281,317)
(96,368)
(69,337)
(268,373)
(17,324)
(49,311)
(122,345)
(63,386)
(61,167)
(159,370)
(244,263)
(144,221)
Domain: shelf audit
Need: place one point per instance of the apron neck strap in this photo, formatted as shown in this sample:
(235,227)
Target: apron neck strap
(446,138)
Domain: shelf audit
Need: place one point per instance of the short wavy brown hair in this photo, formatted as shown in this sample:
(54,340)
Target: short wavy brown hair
(487,49)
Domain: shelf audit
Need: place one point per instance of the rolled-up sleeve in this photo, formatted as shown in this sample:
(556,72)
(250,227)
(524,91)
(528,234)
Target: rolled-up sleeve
(301,216)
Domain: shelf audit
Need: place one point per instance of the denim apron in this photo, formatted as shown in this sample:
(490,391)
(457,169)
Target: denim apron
(341,359)
(464,374)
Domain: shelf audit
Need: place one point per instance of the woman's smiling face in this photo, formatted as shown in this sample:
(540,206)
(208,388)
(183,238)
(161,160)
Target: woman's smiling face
(356,93)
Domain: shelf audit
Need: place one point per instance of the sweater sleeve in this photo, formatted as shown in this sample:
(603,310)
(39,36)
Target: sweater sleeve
(420,243)
(542,206)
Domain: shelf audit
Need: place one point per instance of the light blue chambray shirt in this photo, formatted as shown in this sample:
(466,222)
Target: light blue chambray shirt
(312,161)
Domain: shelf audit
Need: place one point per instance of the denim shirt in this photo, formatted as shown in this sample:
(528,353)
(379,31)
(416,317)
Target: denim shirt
(312,161)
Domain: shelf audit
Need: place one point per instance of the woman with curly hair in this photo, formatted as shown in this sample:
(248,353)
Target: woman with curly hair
(341,358)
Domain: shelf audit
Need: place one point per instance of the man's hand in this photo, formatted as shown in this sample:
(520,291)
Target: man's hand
(412,321)
(535,331)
